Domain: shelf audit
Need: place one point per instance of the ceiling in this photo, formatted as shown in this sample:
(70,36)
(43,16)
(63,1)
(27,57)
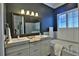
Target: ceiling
(54,5)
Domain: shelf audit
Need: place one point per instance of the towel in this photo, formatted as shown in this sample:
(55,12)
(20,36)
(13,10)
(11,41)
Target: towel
(9,33)
(57,49)
(51,32)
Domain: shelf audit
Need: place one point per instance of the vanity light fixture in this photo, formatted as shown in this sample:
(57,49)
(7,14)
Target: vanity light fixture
(27,12)
(22,11)
(36,14)
(32,13)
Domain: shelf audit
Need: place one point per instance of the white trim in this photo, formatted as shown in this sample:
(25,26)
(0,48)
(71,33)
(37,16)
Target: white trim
(2,30)
(68,11)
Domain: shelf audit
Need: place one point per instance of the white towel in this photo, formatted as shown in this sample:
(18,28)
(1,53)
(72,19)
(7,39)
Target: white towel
(58,49)
(51,32)
(9,33)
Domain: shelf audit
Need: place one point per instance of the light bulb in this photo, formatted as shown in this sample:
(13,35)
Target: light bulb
(28,12)
(36,14)
(22,11)
(32,13)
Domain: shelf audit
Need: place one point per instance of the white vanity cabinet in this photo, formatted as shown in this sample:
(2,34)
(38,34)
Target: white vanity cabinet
(38,47)
(45,47)
(18,50)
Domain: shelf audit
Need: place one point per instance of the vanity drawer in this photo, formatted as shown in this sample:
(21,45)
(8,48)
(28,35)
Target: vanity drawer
(16,48)
(45,50)
(45,42)
(23,52)
(35,51)
(45,47)
(34,44)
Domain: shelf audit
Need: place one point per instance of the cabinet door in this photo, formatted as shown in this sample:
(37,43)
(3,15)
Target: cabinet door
(35,49)
(45,48)
(35,52)
(23,52)
(17,48)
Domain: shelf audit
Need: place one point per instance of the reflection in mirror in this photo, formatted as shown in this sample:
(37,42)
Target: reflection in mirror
(25,25)
(32,27)
(18,24)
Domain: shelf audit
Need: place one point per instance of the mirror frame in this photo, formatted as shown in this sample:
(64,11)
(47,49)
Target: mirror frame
(31,19)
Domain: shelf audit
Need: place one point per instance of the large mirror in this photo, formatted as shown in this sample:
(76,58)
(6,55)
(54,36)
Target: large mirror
(18,23)
(23,25)
(32,27)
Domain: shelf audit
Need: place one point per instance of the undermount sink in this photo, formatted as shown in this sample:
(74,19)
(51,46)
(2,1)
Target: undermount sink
(36,37)
(21,39)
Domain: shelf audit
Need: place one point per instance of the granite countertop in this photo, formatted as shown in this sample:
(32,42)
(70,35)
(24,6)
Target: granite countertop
(23,40)
(17,41)
(37,38)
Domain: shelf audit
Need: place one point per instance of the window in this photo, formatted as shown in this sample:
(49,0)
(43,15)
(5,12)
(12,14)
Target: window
(62,21)
(73,19)
(68,19)
(59,22)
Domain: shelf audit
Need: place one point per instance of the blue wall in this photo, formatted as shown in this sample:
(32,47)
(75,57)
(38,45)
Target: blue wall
(61,9)
(46,22)
(47,18)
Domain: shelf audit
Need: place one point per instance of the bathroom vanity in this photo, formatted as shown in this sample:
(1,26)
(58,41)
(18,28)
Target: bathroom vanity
(30,42)
(29,46)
